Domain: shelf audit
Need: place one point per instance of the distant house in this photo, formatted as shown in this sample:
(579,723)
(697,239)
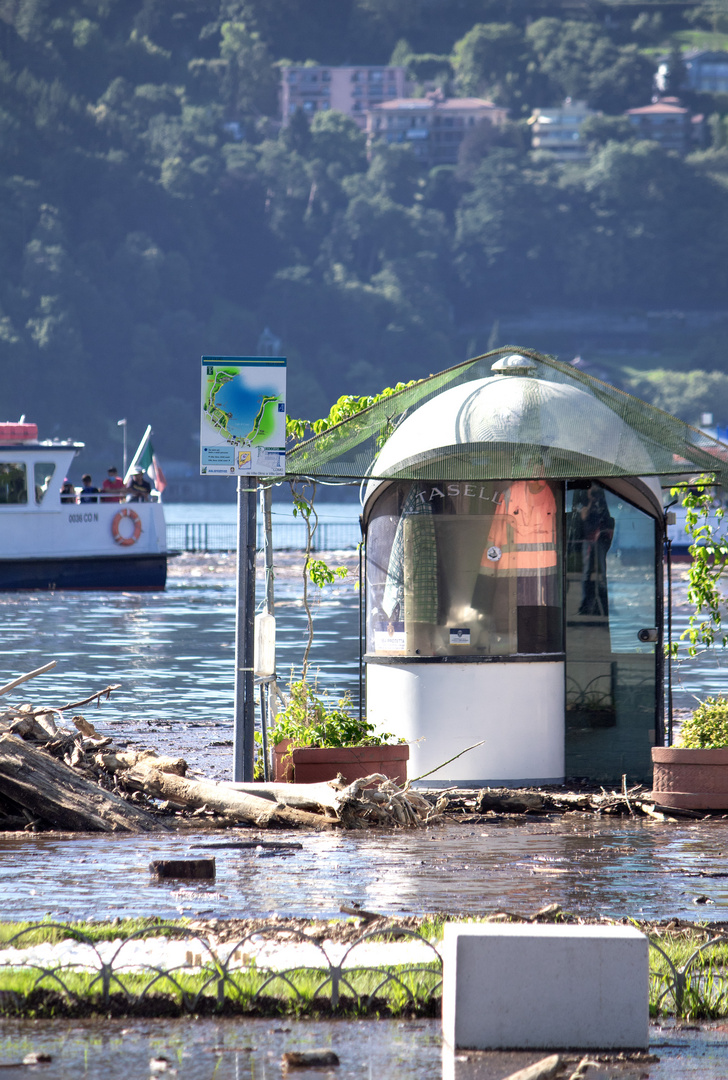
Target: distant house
(669,123)
(706,71)
(558,129)
(350,90)
(434,126)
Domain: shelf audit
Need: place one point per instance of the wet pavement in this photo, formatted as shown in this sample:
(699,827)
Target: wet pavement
(367,1050)
(590,866)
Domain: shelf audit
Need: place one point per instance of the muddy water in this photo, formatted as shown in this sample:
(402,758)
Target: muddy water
(367,1050)
(172,654)
(616,868)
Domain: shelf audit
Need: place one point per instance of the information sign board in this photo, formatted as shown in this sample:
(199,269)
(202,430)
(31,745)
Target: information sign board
(243,420)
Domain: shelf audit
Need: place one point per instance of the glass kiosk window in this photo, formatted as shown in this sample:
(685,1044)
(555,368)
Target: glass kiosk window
(465,569)
(610,595)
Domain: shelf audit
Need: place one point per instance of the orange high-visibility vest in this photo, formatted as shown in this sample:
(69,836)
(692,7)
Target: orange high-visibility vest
(522,538)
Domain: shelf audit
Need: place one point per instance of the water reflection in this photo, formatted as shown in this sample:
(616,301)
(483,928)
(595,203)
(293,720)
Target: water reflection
(591,867)
(172,653)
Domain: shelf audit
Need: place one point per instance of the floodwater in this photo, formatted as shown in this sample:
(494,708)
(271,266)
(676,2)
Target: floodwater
(172,653)
(367,1050)
(614,867)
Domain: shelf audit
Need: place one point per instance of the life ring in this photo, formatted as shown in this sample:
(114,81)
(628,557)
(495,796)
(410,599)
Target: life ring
(126,541)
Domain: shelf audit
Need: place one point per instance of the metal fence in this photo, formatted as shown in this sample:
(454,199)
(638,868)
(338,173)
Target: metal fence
(287,536)
(177,966)
(192,972)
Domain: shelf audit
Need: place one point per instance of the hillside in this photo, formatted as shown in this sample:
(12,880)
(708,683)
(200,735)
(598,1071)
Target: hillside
(153,209)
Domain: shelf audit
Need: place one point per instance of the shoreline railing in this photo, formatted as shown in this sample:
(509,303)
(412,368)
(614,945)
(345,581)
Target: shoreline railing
(287,536)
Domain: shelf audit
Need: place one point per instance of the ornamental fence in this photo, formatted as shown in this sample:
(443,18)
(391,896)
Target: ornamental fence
(53,968)
(287,536)
(175,967)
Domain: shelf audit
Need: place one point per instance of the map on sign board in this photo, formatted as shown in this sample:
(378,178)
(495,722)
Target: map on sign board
(243,428)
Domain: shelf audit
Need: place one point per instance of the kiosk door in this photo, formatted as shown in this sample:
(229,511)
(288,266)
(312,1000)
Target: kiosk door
(611,599)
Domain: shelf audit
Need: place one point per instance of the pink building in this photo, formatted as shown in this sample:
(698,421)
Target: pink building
(669,123)
(433,125)
(350,90)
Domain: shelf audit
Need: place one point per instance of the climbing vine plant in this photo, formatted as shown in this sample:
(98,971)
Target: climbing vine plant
(709,559)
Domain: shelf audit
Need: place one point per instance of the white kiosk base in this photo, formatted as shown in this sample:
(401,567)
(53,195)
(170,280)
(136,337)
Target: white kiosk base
(517,710)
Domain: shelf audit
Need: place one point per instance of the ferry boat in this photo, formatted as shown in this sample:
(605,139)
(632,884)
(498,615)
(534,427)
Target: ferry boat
(55,540)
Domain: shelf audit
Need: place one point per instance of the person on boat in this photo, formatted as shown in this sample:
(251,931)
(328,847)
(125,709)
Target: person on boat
(68,492)
(112,489)
(139,488)
(89,493)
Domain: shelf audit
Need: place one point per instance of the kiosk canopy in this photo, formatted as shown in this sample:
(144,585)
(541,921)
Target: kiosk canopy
(543,419)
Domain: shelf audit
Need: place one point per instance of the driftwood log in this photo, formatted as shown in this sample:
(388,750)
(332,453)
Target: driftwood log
(58,795)
(222,799)
(315,797)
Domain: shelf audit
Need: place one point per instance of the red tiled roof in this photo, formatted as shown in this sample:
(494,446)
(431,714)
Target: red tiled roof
(662,107)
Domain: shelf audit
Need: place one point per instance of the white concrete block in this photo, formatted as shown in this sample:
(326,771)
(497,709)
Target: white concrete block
(524,986)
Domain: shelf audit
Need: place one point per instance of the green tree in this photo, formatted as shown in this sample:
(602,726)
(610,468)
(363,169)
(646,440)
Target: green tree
(249,83)
(487,58)
(676,77)
(336,139)
(598,130)
(507,228)
(582,62)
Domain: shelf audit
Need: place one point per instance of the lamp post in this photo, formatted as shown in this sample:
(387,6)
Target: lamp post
(122,424)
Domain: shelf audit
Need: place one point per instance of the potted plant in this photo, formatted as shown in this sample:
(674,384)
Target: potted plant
(694,774)
(314,741)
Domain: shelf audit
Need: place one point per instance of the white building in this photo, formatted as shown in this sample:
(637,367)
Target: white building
(558,129)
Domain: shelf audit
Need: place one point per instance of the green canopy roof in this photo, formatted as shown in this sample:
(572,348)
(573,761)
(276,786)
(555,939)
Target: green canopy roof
(533,416)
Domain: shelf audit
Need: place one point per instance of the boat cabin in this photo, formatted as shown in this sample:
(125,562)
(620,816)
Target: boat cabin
(53,537)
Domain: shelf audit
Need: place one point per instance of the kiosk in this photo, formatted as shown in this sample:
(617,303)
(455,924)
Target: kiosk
(513,523)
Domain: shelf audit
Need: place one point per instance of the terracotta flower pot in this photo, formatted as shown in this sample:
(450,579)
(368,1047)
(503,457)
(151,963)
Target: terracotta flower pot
(313,765)
(690,779)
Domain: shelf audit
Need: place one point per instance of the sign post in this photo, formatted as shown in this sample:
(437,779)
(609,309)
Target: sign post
(243,434)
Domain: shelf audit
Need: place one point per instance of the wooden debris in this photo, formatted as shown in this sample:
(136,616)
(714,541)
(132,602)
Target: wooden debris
(24,678)
(515,802)
(309,1059)
(192,869)
(60,796)
(221,798)
(115,761)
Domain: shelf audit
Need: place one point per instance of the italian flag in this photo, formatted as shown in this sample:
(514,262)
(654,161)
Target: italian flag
(146,460)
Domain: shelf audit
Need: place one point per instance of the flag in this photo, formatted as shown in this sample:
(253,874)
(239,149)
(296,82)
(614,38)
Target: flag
(146,460)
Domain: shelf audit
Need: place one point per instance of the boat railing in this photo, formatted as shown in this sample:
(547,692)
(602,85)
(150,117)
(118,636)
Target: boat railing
(105,497)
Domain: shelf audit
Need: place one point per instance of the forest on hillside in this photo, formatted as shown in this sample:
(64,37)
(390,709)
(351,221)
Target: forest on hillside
(153,208)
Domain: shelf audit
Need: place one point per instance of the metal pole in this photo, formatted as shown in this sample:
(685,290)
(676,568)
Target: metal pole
(244,719)
(267,715)
(668,560)
(122,424)
(669,640)
(361,628)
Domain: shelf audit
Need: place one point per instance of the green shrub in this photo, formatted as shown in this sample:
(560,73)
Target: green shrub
(707,728)
(310,719)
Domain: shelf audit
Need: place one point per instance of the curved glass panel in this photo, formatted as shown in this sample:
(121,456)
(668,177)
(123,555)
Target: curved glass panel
(465,569)
(611,596)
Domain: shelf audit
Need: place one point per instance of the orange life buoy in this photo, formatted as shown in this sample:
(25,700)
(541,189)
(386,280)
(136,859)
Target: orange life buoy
(125,541)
